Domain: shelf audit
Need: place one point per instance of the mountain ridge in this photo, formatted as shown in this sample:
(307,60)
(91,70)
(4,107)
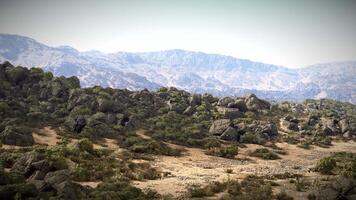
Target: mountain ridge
(189,70)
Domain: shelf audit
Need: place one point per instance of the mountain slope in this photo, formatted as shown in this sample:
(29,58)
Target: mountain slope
(192,71)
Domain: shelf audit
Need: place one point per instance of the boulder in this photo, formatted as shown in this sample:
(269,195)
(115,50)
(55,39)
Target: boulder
(290,125)
(223,102)
(219,126)
(61,183)
(344,125)
(230,113)
(75,124)
(230,134)
(239,104)
(332,125)
(17,135)
(253,103)
(269,129)
(189,111)
(105,105)
(28,163)
(195,99)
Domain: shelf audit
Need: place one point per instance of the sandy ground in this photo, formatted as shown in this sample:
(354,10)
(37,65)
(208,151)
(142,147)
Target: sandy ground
(195,167)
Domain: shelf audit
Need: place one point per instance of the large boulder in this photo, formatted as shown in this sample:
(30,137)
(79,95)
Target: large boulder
(239,104)
(75,124)
(344,125)
(253,103)
(230,134)
(330,126)
(219,126)
(17,135)
(230,113)
(195,99)
(223,102)
(28,163)
(61,183)
(290,123)
(269,129)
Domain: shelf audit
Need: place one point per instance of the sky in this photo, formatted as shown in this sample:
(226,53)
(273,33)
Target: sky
(282,32)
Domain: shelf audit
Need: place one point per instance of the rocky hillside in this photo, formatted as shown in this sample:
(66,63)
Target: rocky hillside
(192,71)
(31,99)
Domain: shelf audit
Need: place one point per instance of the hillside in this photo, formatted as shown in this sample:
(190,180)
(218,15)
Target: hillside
(167,144)
(195,72)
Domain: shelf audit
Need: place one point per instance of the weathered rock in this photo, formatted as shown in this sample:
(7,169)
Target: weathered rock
(60,182)
(219,126)
(239,104)
(270,129)
(253,103)
(230,134)
(331,124)
(230,113)
(75,124)
(344,125)
(24,165)
(105,105)
(189,111)
(195,99)
(223,102)
(290,125)
(17,135)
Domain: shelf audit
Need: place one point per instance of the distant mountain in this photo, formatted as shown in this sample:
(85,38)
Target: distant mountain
(192,71)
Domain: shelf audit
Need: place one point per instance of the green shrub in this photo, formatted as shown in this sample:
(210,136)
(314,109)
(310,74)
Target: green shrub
(283,196)
(326,165)
(265,154)
(252,138)
(226,152)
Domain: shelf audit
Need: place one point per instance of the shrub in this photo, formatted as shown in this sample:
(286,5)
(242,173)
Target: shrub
(226,152)
(265,154)
(283,196)
(252,138)
(326,165)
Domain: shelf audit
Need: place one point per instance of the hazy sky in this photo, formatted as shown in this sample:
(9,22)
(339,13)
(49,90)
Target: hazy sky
(283,32)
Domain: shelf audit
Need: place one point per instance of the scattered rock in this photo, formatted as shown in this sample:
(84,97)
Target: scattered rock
(219,126)
(17,135)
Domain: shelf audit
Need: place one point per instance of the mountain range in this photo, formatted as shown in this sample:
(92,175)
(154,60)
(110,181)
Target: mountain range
(195,72)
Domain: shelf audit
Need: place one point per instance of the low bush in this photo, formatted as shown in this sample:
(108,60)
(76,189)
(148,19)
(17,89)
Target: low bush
(252,138)
(265,154)
(226,151)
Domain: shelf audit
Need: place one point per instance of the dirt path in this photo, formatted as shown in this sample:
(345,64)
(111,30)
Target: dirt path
(195,167)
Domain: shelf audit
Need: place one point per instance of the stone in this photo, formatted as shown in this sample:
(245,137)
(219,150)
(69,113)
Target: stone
(223,102)
(17,135)
(219,126)
(230,134)
(254,104)
(230,113)
(75,124)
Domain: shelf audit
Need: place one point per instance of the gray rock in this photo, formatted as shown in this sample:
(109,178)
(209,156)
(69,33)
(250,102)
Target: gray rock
(195,99)
(17,135)
(75,124)
(344,125)
(230,113)
(223,102)
(230,134)
(253,103)
(219,126)
(239,104)
(189,111)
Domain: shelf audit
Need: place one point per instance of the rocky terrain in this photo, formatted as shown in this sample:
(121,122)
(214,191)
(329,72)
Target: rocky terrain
(61,141)
(196,72)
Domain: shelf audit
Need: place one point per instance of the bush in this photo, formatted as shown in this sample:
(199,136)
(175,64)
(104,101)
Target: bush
(265,154)
(252,138)
(326,165)
(283,196)
(226,152)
